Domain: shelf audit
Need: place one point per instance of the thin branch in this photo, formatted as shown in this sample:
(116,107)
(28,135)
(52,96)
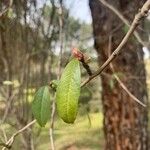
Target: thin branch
(124,88)
(60,13)
(5,145)
(127,91)
(124,20)
(142,13)
(11,140)
(10,99)
(6,9)
(118,79)
(4,133)
(52,126)
(86,66)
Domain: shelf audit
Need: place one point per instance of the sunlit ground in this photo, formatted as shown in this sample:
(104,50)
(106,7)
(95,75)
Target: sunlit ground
(84,134)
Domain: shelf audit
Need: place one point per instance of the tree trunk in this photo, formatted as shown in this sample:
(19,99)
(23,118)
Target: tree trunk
(125,121)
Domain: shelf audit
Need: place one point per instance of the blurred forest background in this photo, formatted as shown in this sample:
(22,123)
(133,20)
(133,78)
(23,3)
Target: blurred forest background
(36,38)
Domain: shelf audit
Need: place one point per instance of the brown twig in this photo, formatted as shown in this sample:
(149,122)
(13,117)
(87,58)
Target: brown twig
(4,133)
(142,13)
(6,9)
(124,20)
(5,145)
(86,66)
(52,126)
(118,79)
(127,91)
(10,100)
(60,13)
(11,140)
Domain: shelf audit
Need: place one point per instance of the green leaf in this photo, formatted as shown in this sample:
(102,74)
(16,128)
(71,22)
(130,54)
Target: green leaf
(68,92)
(41,105)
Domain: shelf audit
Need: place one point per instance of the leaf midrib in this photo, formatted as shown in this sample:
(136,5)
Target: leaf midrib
(68,97)
(42,105)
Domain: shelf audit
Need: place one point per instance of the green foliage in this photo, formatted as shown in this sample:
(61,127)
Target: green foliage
(41,105)
(68,92)
(54,84)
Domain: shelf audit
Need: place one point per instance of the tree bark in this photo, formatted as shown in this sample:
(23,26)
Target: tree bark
(125,121)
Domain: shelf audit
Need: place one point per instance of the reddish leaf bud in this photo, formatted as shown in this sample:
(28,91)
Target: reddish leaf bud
(77,54)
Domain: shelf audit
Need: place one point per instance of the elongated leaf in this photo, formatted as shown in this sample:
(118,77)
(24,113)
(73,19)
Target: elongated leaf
(68,92)
(41,105)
